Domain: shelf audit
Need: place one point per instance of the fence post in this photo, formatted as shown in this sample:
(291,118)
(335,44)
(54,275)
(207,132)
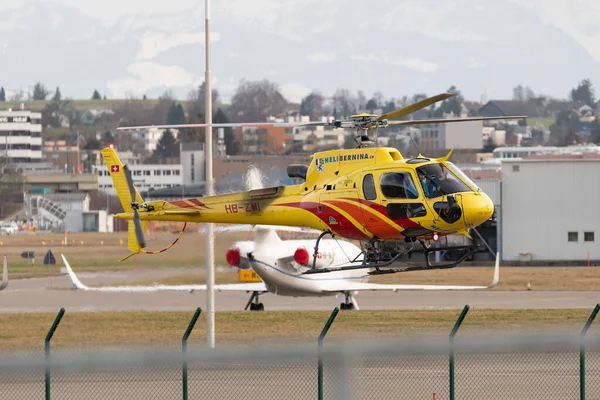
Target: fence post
(582,352)
(321,337)
(59,316)
(184,339)
(457,325)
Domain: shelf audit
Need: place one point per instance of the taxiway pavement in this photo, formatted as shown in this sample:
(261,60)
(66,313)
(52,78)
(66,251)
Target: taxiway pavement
(49,294)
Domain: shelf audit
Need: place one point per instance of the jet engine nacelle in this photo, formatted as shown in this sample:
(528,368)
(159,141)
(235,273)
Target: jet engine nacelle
(304,256)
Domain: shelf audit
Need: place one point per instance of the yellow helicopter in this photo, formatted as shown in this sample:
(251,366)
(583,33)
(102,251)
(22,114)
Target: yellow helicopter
(371,194)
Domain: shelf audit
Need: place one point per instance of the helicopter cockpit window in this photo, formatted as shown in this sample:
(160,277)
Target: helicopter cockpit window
(437,180)
(369,187)
(398,185)
(461,174)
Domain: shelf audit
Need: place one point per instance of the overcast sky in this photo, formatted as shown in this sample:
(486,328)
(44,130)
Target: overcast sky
(441,25)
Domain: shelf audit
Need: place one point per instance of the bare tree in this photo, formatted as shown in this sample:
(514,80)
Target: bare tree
(11,188)
(134,112)
(197,99)
(312,105)
(255,101)
(344,103)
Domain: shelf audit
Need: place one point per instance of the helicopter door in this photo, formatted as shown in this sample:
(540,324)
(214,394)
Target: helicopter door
(373,210)
(394,202)
(343,215)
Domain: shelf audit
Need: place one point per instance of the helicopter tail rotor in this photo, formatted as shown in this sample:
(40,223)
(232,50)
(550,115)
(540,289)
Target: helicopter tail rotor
(137,222)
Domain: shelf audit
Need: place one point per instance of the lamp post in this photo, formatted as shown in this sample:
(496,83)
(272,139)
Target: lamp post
(210,267)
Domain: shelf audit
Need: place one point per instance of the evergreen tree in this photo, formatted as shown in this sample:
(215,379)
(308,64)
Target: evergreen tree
(166,147)
(96,95)
(40,92)
(231,146)
(108,138)
(584,93)
(57,95)
(2,94)
(176,115)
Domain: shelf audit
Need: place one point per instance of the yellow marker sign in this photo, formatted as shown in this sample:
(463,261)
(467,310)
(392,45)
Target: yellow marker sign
(248,275)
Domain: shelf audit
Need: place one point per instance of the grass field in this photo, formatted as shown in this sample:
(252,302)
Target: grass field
(101,251)
(242,328)
(545,122)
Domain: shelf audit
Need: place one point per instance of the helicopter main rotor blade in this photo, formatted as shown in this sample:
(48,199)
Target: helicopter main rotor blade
(401,112)
(224,125)
(445,120)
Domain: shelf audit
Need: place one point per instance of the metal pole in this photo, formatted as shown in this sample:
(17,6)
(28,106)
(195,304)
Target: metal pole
(210,267)
(321,337)
(47,349)
(78,155)
(457,325)
(582,352)
(184,339)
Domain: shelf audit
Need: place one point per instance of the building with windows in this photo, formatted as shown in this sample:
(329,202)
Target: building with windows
(512,153)
(463,135)
(549,210)
(145,177)
(151,136)
(21,136)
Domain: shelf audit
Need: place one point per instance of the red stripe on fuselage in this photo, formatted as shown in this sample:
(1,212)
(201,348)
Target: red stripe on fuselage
(185,204)
(342,226)
(198,203)
(405,223)
(379,227)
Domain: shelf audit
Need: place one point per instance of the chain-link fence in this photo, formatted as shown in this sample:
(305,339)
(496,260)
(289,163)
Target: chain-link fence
(503,366)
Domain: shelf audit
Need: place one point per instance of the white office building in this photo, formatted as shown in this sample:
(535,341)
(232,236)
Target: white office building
(21,136)
(145,177)
(151,137)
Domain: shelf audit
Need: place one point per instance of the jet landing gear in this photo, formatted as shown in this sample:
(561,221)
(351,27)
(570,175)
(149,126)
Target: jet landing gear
(253,303)
(349,302)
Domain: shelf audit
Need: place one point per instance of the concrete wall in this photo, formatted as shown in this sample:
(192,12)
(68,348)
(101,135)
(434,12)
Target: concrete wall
(544,200)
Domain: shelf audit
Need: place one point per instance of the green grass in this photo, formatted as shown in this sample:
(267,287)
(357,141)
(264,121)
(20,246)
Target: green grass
(244,327)
(546,122)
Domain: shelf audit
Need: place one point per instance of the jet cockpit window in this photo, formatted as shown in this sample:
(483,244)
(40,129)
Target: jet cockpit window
(437,180)
(398,185)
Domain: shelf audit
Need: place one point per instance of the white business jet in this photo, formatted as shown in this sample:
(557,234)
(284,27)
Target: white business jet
(281,265)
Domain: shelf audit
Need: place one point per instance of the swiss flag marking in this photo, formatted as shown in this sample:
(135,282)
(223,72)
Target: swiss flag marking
(114,168)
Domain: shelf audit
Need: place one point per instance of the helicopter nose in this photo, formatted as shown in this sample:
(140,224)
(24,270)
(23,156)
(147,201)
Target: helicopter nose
(478,208)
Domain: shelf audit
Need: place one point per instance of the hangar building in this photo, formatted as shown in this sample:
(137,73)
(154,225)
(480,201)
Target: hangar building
(550,210)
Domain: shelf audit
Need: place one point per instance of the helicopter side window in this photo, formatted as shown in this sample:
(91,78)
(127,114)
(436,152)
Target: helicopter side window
(369,187)
(398,185)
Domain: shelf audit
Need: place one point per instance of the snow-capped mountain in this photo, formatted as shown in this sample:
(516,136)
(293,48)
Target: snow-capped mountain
(395,47)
